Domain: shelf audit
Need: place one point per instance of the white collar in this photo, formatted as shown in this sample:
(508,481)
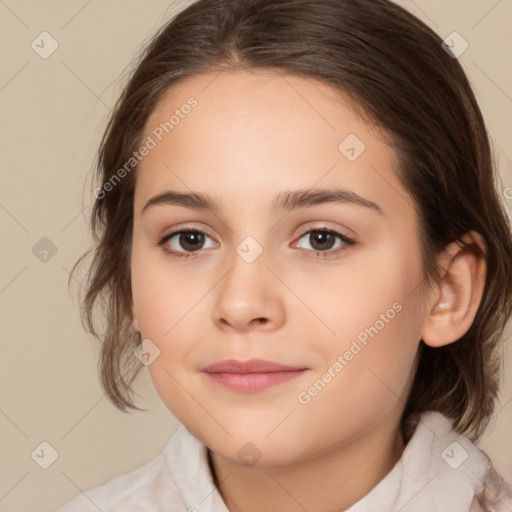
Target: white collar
(439,470)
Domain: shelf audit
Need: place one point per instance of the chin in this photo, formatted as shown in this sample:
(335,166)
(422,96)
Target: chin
(252,446)
(256,454)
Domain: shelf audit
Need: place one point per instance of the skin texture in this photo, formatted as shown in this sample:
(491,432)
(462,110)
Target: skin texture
(251,137)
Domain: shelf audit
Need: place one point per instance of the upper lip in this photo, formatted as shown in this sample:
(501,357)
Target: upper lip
(250,366)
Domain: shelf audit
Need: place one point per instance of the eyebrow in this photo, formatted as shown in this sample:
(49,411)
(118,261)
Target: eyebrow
(285,201)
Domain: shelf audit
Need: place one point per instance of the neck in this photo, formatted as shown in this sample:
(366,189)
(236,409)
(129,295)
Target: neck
(330,482)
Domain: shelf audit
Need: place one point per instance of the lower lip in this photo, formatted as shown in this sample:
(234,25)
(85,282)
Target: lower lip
(253,381)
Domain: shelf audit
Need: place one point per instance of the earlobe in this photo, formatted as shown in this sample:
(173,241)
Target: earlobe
(456,298)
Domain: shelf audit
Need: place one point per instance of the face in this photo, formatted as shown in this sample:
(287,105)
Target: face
(269,224)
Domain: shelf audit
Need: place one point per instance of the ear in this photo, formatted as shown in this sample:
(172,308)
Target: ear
(454,301)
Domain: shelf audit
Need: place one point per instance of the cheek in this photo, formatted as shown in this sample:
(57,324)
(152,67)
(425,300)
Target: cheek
(164,293)
(167,300)
(364,294)
(364,380)
(379,324)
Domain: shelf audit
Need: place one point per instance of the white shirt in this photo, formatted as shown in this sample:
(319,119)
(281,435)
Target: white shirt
(439,471)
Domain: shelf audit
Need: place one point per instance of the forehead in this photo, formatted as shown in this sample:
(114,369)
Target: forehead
(266,100)
(263,131)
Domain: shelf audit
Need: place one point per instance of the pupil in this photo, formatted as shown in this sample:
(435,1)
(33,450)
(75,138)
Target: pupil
(321,239)
(191,240)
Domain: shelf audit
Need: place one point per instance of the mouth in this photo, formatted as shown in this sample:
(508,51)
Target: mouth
(252,375)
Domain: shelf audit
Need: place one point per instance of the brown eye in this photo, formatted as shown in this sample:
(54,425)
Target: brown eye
(184,242)
(191,240)
(322,242)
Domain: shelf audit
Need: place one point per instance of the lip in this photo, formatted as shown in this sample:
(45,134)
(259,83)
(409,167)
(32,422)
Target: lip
(252,375)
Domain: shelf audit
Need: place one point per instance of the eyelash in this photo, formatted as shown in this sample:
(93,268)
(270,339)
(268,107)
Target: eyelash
(349,242)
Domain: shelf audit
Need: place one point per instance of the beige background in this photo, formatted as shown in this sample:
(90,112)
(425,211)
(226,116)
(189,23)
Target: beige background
(53,111)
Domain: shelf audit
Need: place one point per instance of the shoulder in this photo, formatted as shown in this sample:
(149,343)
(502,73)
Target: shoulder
(147,488)
(496,495)
(451,472)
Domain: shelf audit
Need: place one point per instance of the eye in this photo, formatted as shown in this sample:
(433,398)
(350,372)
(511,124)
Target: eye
(184,242)
(324,242)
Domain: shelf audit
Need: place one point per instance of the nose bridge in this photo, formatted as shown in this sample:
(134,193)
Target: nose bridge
(249,250)
(245,296)
(246,277)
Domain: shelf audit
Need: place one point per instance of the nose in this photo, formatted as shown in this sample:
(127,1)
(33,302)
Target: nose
(249,297)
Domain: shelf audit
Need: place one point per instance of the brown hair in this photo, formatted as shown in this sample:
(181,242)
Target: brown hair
(398,75)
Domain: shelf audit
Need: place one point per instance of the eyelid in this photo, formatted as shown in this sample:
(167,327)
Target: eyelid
(186,227)
(324,226)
